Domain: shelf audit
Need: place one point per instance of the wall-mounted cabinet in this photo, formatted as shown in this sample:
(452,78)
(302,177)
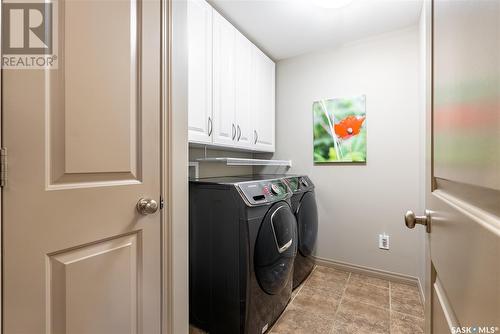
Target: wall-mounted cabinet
(224,81)
(263,87)
(200,124)
(243,109)
(231,84)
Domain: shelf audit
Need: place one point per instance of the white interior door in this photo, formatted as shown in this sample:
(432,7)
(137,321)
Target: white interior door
(200,71)
(224,35)
(83,143)
(464,179)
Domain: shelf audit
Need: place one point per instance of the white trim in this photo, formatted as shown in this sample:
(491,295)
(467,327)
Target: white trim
(373,272)
(451,319)
(1,190)
(421,290)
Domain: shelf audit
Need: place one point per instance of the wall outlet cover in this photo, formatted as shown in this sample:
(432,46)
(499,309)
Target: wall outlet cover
(383,241)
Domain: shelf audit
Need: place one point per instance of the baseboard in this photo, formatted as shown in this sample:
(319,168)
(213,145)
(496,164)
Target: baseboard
(368,271)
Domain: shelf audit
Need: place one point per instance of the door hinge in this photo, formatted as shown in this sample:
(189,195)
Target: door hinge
(3,167)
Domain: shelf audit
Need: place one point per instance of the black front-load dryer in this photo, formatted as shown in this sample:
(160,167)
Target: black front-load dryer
(242,247)
(306,213)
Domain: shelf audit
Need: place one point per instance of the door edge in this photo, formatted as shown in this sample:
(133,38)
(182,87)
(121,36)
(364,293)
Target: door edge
(174,167)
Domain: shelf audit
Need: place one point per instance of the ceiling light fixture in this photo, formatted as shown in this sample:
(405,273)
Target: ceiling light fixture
(331,4)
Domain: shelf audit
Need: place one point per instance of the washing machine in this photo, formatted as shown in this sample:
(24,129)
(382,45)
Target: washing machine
(306,213)
(242,248)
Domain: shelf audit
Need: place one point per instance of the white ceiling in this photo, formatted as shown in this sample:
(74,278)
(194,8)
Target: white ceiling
(287,28)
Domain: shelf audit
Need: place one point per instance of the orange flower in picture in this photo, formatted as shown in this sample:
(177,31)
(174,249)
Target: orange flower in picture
(349,126)
(339,130)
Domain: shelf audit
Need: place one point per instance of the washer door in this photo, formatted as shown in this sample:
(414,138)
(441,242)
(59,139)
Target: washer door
(307,220)
(275,248)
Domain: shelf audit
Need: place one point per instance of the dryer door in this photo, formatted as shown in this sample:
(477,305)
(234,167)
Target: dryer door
(307,220)
(275,248)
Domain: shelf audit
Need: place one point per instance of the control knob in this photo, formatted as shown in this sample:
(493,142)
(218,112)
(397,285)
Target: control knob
(275,189)
(304,183)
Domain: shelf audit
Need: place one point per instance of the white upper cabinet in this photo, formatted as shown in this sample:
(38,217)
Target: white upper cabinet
(263,101)
(224,83)
(231,84)
(243,111)
(199,14)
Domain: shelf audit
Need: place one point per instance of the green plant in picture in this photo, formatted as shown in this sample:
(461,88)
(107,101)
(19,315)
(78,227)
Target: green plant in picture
(340,130)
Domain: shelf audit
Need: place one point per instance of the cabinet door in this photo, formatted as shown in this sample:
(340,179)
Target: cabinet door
(243,116)
(224,81)
(263,99)
(200,71)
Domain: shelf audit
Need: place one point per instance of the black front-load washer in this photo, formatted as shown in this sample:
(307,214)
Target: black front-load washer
(306,213)
(242,247)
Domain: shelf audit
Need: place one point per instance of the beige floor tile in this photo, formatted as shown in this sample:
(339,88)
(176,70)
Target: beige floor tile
(359,318)
(406,324)
(335,301)
(328,279)
(332,272)
(294,321)
(358,278)
(409,288)
(316,301)
(407,302)
(367,293)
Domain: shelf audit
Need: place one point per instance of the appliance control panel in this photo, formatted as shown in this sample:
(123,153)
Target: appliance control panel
(261,192)
(299,183)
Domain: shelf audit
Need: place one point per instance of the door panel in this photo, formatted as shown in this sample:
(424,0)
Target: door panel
(86,103)
(243,88)
(442,320)
(80,305)
(464,251)
(467,93)
(106,85)
(200,71)
(263,99)
(84,146)
(307,222)
(224,81)
(275,248)
(465,231)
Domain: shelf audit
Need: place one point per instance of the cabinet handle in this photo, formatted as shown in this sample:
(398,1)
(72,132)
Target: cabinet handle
(234,132)
(210,126)
(256,136)
(239,133)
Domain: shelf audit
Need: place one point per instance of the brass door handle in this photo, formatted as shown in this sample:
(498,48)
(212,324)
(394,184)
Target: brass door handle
(147,206)
(411,220)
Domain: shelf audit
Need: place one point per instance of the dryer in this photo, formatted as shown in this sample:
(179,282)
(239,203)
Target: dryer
(242,247)
(306,213)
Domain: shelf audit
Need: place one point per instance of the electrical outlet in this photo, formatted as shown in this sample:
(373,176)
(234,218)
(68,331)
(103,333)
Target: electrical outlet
(383,241)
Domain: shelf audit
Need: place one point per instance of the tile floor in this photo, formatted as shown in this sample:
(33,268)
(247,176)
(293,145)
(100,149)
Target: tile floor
(331,301)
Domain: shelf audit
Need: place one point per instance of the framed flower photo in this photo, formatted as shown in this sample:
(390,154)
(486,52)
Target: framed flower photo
(340,130)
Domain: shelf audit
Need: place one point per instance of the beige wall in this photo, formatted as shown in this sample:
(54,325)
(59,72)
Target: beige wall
(357,202)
